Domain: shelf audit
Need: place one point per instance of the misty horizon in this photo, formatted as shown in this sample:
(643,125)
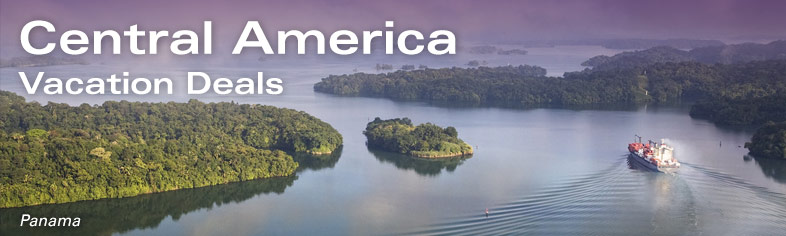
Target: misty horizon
(474,22)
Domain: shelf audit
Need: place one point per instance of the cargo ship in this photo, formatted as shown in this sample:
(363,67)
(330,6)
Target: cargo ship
(653,156)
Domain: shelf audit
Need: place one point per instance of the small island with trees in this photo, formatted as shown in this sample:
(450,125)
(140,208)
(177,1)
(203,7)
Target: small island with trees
(423,141)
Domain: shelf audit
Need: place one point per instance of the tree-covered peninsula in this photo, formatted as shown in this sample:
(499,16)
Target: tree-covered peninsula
(528,86)
(507,85)
(58,153)
(769,141)
(424,140)
(742,111)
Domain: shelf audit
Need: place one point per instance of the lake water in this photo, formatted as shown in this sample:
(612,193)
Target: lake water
(538,171)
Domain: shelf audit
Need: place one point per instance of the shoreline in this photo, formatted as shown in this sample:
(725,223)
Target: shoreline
(149,193)
(449,155)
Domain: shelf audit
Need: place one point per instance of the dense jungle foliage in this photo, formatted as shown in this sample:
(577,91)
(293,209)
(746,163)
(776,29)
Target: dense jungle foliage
(425,140)
(528,85)
(742,111)
(58,153)
(769,141)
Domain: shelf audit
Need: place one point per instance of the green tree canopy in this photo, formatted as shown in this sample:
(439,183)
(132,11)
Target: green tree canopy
(58,153)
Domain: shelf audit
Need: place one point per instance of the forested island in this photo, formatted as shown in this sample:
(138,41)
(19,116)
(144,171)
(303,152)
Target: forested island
(58,153)
(425,140)
(769,141)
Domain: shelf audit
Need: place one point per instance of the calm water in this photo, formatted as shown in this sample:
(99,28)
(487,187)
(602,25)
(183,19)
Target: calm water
(539,171)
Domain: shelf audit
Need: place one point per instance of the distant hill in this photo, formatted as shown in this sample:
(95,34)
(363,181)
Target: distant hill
(649,43)
(43,60)
(639,58)
(741,52)
(486,49)
(725,54)
(626,44)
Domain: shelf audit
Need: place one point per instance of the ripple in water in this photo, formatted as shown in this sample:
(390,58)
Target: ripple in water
(622,200)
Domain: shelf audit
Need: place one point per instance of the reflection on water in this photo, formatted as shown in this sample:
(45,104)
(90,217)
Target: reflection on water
(775,169)
(519,106)
(733,206)
(108,216)
(147,211)
(317,162)
(422,166)
(624,201)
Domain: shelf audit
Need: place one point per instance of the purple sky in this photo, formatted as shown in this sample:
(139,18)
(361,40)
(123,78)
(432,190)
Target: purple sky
(470,20)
